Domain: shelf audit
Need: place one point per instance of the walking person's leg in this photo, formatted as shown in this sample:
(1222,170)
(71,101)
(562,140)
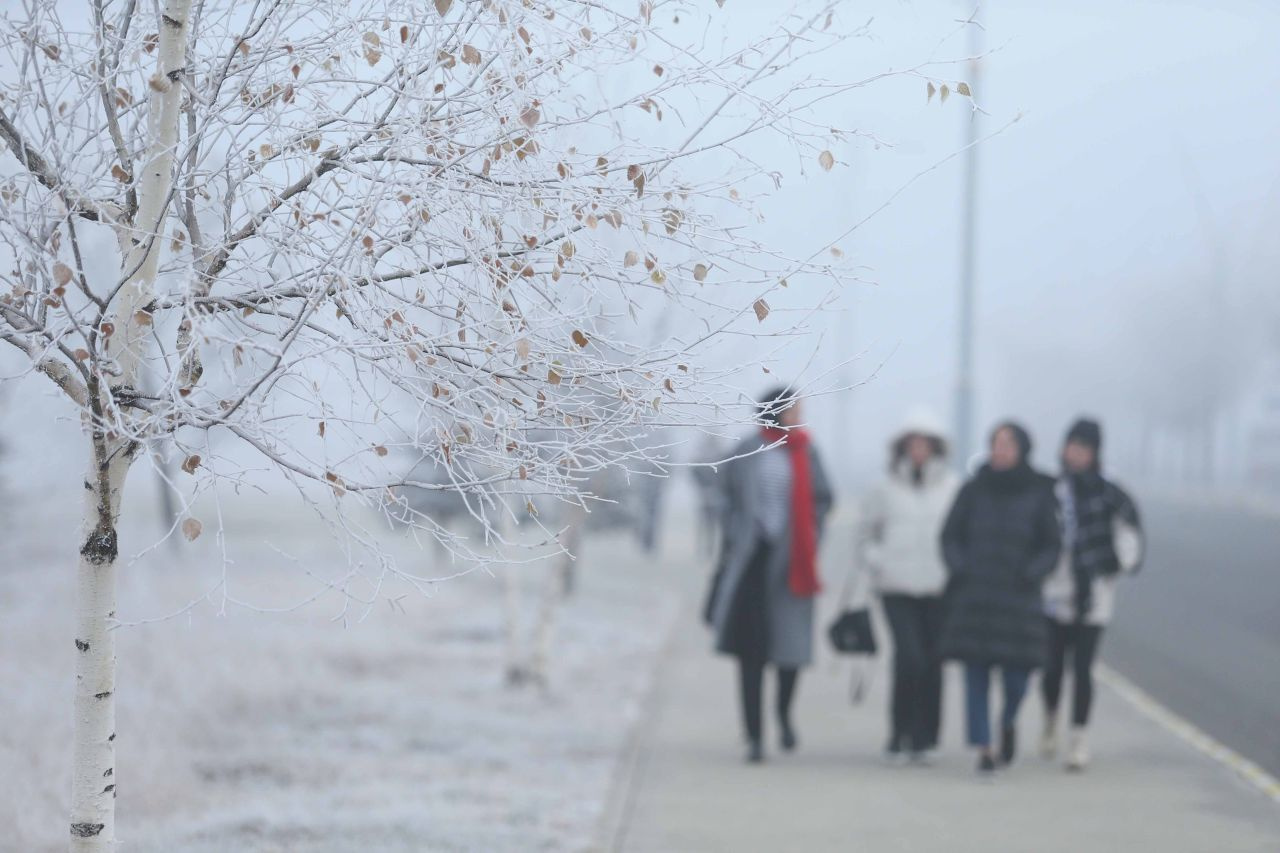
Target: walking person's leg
(751,687)
(1014,680)
(1051,685)
(931,673)
(788,677)
(904,626)
(747,637)
(1087,639)
(977,687)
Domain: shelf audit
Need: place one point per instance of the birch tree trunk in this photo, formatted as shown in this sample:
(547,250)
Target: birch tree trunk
(93,789)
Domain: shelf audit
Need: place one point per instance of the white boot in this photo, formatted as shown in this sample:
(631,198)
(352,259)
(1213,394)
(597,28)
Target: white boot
(1049,740)
(1078,756)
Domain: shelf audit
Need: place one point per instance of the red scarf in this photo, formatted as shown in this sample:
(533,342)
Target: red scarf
(802,576)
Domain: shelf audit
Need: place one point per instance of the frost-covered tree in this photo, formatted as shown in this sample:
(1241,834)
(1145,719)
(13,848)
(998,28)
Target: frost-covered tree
(322,232)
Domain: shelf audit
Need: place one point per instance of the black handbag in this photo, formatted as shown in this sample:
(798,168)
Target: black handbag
(852,634)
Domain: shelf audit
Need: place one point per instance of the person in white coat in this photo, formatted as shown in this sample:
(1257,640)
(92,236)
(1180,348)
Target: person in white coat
(897,543)
(1102,540)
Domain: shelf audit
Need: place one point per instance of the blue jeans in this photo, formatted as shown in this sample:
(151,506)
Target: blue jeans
(977,687)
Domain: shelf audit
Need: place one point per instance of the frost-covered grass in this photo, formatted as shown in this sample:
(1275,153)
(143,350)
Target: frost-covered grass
(265,732)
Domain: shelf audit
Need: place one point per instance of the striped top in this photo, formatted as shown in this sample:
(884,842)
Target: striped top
(773,505)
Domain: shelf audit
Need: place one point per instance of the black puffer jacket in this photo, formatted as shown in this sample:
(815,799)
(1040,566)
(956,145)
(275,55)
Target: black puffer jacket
(1000,542)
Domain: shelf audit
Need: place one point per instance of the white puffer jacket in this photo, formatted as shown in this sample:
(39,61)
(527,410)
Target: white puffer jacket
(901,521)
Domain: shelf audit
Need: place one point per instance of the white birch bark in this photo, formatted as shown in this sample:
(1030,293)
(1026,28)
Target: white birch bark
(141,244)
(93,790)
(545,626)
(511,624)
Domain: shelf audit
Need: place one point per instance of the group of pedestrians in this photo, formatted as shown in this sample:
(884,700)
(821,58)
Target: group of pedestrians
(1011,571)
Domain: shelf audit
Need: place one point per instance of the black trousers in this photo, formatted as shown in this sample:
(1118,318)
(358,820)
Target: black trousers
(915,710)
(1082,641)
(748,639)
(751,681)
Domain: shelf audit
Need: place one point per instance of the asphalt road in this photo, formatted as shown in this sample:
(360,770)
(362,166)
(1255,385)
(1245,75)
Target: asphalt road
(1199,628)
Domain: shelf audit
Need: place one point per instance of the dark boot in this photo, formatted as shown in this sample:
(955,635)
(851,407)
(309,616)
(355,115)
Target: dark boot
(787,736)
(1008,744)
(755,752)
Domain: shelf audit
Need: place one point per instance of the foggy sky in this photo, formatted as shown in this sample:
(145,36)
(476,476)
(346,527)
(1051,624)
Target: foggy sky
(1145,159)
(1143,171)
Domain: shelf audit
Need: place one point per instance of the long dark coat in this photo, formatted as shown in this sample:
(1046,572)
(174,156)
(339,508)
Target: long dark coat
(788,617)
(1001,540)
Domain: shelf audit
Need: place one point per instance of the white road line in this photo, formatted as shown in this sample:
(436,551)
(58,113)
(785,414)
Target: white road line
(1190,734)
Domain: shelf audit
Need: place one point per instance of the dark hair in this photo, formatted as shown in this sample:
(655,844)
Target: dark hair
(1020,436)
(898,448)
(1088,432)
(773,404)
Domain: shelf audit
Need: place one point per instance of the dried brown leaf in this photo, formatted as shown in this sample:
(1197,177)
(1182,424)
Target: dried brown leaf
(372,48)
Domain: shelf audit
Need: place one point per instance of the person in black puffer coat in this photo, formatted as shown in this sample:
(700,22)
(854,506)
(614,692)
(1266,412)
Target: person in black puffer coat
(1102,539)
(1000,541)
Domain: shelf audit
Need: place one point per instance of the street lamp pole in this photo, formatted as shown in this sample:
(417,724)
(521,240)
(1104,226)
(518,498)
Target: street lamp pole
(964,379)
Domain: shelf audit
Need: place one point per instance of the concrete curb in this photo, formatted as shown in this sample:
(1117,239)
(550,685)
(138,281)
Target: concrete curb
(620,801)
(1188,733)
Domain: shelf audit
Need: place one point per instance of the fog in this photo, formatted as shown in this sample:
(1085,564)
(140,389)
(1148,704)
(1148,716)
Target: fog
(1124,266)
(1127,186)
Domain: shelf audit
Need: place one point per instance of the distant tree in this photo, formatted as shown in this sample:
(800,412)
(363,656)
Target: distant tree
(314,229)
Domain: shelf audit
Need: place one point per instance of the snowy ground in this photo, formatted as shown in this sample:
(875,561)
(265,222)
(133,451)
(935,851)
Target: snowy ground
(253,732)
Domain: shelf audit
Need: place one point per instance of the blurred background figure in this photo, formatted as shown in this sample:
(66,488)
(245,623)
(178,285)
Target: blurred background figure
(650,490)
(1001,540)
(1101,539)
(897,542)
(710,494)
(761,601)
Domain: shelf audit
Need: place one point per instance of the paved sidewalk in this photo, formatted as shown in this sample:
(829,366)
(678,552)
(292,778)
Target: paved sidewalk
(691,791)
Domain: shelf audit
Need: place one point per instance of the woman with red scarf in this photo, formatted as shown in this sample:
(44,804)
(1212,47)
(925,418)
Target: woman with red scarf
(762,596)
